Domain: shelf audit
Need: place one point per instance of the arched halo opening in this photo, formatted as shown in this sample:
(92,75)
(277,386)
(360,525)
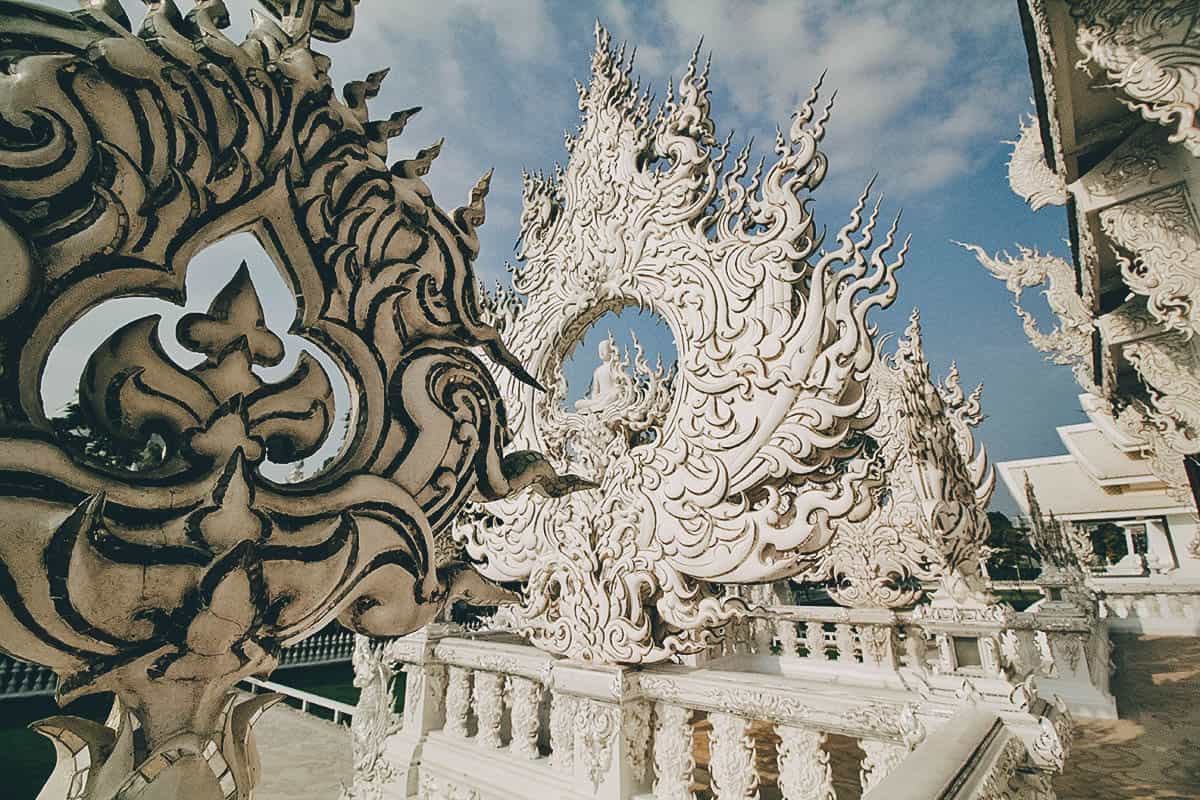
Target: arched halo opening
(608,390)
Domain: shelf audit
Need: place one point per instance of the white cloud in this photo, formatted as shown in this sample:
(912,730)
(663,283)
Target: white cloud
(913,83)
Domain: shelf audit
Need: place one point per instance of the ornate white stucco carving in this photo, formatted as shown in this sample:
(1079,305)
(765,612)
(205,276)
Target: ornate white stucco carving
(879,759)
(374,720)
(525,698)
(1028,174)
(124,154)
(1165,419)
(1160,231)
(731,757)
(1168,362)
(760,447)
(1070,342)
(674,756)
(804,769)
(635,734)
(929,521)
(598,726)
(1150,50)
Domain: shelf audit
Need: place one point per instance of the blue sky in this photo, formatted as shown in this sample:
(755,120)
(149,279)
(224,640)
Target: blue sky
(927,92)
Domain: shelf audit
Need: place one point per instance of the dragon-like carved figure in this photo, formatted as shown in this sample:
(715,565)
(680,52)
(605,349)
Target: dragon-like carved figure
(928,524)
(760,447)
(122,154)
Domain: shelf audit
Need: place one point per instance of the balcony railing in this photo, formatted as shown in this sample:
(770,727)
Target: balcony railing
(762,710)
(331,646)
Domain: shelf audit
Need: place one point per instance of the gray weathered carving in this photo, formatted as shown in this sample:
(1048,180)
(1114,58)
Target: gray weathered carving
(122,154)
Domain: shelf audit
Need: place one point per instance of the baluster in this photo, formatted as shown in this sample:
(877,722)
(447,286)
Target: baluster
(814,640)
(458,701)
(844,640)
(489,707)
(562,731)
(879,759)
(785,630)
(674,760)
(763,635)
(26,677)
(524,698)
(804,770)
(6,667)
(731,758)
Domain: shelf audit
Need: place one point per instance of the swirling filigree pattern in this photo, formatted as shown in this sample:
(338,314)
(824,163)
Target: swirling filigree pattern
(929,520)
(760,446)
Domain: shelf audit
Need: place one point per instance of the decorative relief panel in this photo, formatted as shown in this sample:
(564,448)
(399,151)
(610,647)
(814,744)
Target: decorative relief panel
(758,437)
(1150,51)
(123,154)
(1160,231)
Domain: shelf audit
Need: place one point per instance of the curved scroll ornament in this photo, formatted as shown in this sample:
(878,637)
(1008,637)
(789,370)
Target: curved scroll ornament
(761,446)
(1161,232)
(1163,419)
(929,521)
(1150,50)
(121,156)
(1070,342)
(1028,174)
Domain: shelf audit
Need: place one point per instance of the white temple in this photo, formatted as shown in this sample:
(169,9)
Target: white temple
(640,555)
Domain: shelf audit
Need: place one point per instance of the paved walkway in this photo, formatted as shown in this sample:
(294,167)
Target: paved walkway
(303,757)
(1153,751)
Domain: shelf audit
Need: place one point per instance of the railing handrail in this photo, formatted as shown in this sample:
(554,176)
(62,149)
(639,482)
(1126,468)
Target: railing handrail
(306,699)
(942,762)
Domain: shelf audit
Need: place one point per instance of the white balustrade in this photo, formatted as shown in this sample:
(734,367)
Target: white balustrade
(628,733)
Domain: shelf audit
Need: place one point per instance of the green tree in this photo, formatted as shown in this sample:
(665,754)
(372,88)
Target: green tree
(77,432)
(1108,542)
(1013,556)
